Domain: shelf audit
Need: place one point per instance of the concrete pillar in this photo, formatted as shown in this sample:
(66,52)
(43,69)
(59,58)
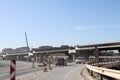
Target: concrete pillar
(101,77)
(36,59)
(49,62)
(33,60)
(28,59)
(119,58)
(17,58)
(44,58)
(6,58)
(73,57)
(91,72)
(39,58)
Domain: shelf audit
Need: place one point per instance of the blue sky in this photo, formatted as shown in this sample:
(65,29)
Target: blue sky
(53,22)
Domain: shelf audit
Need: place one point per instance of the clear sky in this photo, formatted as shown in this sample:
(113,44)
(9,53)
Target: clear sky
(53,22)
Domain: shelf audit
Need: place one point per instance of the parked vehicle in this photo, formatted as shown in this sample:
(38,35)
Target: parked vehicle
(61,61)
(80,60)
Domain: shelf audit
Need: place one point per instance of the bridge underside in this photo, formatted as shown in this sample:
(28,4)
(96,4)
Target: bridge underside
(38,57)
(84,53)
(112,48)
(15,57)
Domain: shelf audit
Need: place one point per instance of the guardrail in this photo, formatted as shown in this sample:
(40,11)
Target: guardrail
(104,71)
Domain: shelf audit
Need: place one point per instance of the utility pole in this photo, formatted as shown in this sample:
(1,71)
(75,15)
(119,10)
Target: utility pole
(27,47)
(26,41)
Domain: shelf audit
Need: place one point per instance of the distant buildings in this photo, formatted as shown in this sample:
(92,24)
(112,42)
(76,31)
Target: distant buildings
(10,50)
(6,50)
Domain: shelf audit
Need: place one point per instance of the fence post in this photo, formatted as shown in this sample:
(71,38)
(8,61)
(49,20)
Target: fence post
(13,70)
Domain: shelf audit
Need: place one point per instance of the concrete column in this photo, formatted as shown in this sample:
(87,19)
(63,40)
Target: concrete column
(101,77)
(42,58)
(6,58)
(91,72)
(36,59)
(119,58)
(49,62)
(17,58)
(33,60)
(39,60)
(28,58)
(73,57)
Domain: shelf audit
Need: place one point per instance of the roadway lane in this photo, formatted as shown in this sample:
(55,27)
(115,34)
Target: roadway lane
(71,72)
(22,68)
(25,72)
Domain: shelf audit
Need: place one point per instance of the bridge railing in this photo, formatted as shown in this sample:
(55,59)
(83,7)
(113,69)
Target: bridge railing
(115,74)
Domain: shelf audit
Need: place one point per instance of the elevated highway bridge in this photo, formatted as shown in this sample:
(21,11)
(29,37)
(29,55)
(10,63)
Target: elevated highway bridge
(102,46)
(82,50)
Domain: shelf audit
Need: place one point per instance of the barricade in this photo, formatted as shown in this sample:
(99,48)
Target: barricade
(45,66)
(13,70)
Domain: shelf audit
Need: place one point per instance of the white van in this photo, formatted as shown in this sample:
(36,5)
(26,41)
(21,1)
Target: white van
(80,60)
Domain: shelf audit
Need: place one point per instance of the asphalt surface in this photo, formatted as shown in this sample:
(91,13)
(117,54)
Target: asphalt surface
(70,72)
(24,71)
(22,68)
